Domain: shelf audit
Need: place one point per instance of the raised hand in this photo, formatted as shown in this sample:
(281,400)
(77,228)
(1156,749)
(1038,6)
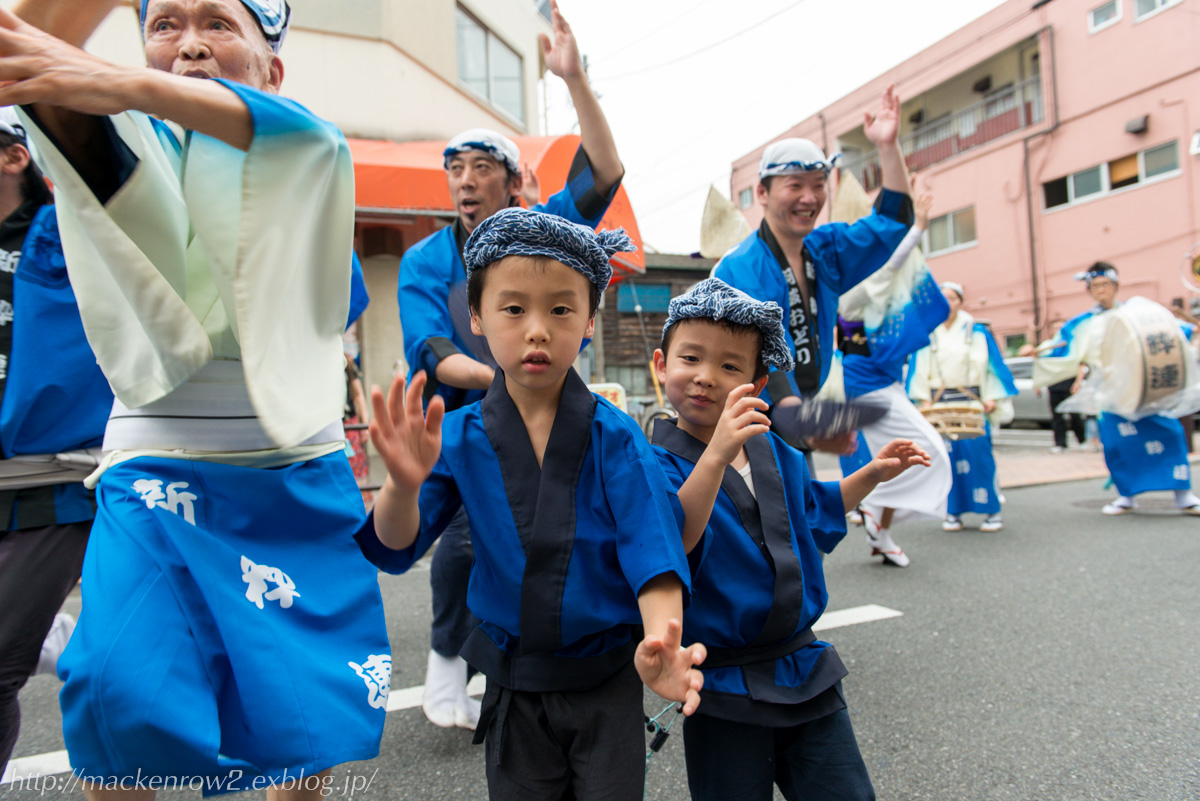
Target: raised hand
(531,188)
(896,457)
(922,208)
(408,441)
(842,444)
(669,670)
(35,67)
(562,54)
(883,127)
(742,419)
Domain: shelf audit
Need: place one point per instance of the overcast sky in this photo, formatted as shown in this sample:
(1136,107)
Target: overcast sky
(690,85)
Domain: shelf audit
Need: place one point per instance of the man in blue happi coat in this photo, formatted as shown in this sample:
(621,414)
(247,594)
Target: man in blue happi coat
(484,175)
(54,404)
(805,267)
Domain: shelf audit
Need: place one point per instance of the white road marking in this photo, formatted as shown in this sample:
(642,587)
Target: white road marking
(56,762)
(853,616)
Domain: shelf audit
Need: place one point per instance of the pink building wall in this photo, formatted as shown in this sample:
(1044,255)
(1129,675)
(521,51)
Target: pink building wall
(1104,79)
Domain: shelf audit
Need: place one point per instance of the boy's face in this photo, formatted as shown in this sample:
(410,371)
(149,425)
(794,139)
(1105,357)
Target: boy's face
(535,315)
(793,201)
(705,363)
(953,299)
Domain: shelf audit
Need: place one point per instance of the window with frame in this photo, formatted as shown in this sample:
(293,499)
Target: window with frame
(1137,168)
(745,198)
(1144,8)
(1104,15)
(951,231)
(653,298)
(489,67)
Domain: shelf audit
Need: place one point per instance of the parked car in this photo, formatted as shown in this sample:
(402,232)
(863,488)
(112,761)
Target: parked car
(1029,406)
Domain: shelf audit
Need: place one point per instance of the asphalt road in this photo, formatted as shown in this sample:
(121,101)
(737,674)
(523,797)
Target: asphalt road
(1056,659)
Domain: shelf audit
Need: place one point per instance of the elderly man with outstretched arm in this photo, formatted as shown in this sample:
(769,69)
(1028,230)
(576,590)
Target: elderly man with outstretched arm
(483,170)
(231,629)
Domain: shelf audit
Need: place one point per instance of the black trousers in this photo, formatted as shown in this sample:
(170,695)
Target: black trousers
(449,574)
(583,746)
(1059,421)
(38,568)
(814,761)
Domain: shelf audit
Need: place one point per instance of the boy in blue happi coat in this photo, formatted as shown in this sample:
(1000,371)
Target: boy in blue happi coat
(577,546)
(484,175)
(756,524)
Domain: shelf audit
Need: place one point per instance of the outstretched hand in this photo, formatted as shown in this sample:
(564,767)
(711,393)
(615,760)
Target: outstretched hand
(742,419)
(408,440)
(35,67)
(669,670)
(562,53)
(896,457)
(883,127)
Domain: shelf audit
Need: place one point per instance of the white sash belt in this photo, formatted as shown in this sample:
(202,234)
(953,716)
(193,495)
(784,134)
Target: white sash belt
(211,412)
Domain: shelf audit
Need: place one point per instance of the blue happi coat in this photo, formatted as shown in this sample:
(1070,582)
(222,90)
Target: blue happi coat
(758,583)
(842,255)
(432,290)
(561,551)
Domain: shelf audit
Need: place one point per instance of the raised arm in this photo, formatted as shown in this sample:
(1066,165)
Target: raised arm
(69,88)
(562,58)
(662,664)
(883,129)
(743,418)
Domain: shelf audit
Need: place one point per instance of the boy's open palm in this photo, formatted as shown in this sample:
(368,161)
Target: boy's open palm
(408,440)
(669,670)
(742,419)
(896,457)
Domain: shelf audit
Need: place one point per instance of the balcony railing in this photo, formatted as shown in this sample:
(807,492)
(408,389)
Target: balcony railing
(1012,109)
(543,8)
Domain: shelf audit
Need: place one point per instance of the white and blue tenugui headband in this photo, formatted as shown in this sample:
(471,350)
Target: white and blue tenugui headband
(499,147)
(713,299)
(9,123)
(956,287)
(273,17)
(521,232)
(1092,274)
(794,155)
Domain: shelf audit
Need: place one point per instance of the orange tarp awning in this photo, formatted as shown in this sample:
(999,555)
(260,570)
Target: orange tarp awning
(401,177)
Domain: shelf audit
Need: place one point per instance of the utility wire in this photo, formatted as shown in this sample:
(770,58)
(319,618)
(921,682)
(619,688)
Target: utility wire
(704,49)
(691,9)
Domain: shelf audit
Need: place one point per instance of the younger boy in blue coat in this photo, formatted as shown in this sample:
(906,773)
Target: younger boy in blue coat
(756,522)
(577,547)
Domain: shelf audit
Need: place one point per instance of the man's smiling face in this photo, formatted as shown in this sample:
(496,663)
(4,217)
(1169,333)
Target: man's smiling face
(792,202)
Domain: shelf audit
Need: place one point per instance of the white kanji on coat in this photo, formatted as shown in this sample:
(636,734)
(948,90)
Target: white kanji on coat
(962,467)
(981,495)
(1127,429)
(1181,472)
(1154,447)
(257,577)
(173,500)
(376,672)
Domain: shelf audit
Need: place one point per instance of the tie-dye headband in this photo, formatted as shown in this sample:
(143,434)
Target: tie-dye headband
(273,18)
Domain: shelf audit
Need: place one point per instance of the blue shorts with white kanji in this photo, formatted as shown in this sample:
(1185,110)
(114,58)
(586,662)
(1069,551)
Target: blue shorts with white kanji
(231,628)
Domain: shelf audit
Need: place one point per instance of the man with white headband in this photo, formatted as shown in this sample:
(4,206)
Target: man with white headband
(484,176)
(232,632)
(805,267)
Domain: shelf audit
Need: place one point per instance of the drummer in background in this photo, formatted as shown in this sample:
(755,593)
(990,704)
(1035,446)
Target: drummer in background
(1142,455)
(963,364)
